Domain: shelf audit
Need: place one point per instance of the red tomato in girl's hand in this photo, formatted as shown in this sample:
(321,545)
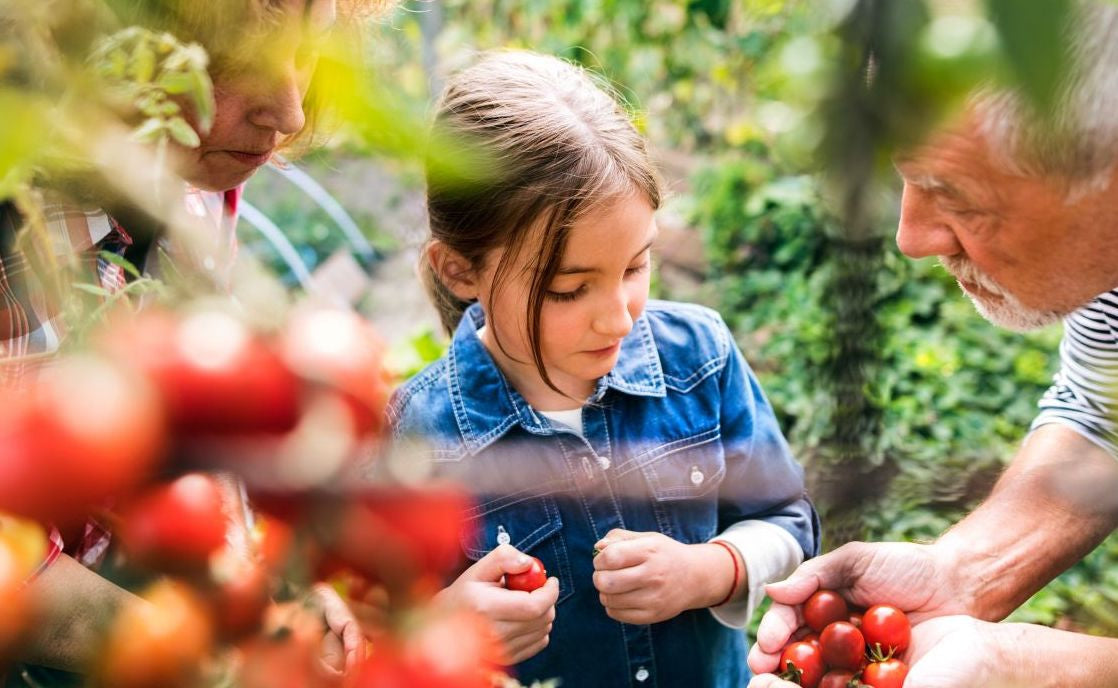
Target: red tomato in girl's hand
(824,607)
(888,627)
(803,663)
(842,645)
(837,678)
(532,579)
(887,674)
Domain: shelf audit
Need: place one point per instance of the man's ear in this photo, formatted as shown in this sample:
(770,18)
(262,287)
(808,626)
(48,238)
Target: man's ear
(453,270)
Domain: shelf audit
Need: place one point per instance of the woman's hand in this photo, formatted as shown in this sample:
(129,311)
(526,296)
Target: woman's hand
(343,644)
(644,578)
(521,620)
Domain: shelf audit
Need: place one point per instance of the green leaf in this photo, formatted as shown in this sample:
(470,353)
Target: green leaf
(1035,40)
(143,64)
(92,289)
(175,83)
(120,261)
(201,95)
(183,133)
(149,131)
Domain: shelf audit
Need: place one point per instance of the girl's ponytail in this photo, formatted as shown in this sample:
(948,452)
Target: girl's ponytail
(449,307)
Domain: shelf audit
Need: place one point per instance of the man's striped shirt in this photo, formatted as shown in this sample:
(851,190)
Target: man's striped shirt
(1084,394)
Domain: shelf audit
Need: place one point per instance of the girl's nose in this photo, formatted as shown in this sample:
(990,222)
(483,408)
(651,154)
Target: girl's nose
(613,319)
(923,229)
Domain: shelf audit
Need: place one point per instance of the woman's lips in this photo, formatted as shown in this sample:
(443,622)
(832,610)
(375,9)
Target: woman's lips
(251,159)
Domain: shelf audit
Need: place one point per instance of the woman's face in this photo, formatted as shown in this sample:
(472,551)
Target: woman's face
(591,305)
(258,96)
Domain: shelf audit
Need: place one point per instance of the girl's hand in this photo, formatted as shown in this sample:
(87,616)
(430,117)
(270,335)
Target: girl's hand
(644,578)
(343,645)
(521,620)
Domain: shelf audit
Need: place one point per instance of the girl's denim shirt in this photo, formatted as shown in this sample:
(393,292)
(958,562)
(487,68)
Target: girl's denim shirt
(679,439)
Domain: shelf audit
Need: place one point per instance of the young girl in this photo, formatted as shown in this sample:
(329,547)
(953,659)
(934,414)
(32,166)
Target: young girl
(623,442)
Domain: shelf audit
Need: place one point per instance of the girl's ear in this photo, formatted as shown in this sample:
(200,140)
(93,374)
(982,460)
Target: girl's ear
(453,270)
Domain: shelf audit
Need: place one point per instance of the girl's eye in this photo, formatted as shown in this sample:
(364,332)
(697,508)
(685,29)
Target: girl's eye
(564,296)
(636,270)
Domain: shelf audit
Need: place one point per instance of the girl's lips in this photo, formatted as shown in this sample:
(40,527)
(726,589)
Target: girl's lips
(251,159)
(607,351)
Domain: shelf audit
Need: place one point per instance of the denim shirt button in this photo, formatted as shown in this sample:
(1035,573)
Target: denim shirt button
(697,476)
(641,675)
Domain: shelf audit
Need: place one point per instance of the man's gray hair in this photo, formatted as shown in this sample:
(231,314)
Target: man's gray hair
(1081,142)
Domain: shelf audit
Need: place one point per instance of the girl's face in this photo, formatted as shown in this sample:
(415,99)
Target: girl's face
(591,305)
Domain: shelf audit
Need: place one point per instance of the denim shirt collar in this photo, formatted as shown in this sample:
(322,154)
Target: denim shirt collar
(486,406)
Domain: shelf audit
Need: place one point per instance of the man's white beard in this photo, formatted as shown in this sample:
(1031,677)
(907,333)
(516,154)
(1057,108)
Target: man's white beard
(1007,311)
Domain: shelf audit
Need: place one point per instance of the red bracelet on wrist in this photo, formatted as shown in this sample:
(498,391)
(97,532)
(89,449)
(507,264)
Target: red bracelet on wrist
(737,572)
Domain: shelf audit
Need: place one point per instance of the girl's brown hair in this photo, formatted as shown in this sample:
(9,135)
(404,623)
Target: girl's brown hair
(561,144)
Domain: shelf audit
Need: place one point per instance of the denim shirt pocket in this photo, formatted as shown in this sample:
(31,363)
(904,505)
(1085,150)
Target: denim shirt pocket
(530,523)
(683,478)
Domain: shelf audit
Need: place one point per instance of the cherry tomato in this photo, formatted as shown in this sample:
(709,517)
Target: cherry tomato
(341,350)
(85,430)
(837,678)
(802,663)
(159,640)
(843,646)
(529,580)
(812,638)
(856,619)
(887,627)
(175,527)
(824,607)
(216,376)
(887,674)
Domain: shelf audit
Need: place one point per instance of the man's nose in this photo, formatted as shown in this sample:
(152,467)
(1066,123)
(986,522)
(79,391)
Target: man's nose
(923,229)
(279,104)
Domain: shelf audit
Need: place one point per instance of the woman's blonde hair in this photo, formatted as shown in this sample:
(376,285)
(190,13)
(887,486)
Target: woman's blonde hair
(561,144)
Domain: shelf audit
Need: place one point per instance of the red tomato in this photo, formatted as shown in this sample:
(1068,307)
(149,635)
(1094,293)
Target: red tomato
(215,375)
(242,595)
(159,641)
(887,627)
(837,678)
(856,619)
(887,674)
(85,430)
(529,580)
(843,646)
(175,527)
(341,350)
(802,663)
(812,638)
(824,607)
(401,537)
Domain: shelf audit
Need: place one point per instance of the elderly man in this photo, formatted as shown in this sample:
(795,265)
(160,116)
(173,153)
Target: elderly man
(262,62)
(1027,222)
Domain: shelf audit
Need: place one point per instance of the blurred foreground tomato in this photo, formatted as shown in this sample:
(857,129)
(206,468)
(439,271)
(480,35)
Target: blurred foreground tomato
(287,655)
(241,594)
(174,527)
(405,538)
(341,350)
(157,641)
(459,650)
(85,430)
(216,376)
(22,546)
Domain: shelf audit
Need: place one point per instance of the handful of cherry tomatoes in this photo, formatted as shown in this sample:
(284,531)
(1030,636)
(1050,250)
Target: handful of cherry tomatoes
(844,648)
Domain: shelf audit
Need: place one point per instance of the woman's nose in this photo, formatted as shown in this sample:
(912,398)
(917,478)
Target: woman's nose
(279,105)
(923,229)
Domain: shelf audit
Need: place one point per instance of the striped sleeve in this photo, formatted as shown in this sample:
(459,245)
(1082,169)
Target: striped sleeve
(1084,393)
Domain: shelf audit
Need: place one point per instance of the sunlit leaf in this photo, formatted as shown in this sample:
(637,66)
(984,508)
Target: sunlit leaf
(183,133)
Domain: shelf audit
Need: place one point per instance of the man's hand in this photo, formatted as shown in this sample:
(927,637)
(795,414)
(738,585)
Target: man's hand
(521,620)
(913,578)
(644,578)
